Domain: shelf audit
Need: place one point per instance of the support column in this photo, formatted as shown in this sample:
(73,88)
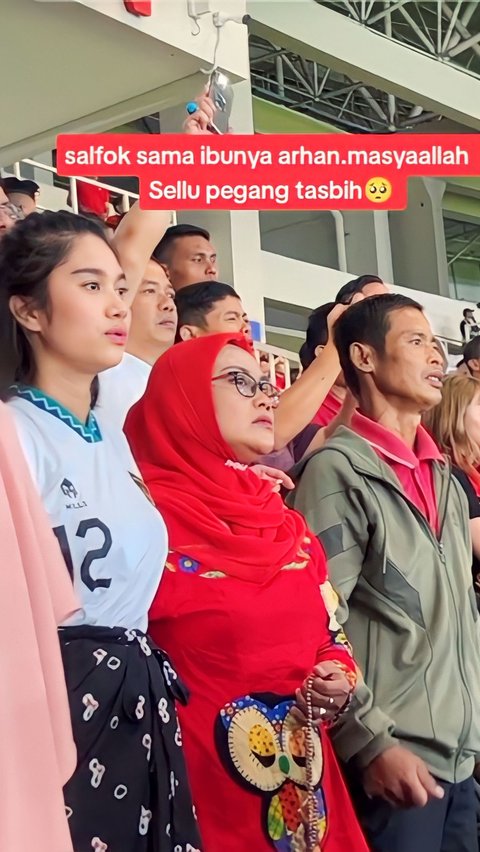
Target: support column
(360,242)
(418,239)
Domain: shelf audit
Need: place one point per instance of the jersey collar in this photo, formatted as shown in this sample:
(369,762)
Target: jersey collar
(89,431)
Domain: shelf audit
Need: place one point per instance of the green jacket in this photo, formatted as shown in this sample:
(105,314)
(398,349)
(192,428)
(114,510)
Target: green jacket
(407,603)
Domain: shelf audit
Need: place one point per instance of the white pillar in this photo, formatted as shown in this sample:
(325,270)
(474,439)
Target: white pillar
(418,239)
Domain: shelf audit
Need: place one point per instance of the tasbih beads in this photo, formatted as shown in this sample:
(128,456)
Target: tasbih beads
(311,829)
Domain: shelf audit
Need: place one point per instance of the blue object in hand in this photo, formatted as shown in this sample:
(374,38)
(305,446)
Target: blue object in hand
(191,107)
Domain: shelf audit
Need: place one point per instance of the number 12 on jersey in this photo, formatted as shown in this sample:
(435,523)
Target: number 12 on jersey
(91,556)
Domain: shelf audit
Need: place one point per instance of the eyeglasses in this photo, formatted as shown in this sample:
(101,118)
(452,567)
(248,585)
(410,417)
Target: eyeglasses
(12,211)
(247,386)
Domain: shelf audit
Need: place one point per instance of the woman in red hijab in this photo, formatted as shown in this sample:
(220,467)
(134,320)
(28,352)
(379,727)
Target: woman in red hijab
(245,610)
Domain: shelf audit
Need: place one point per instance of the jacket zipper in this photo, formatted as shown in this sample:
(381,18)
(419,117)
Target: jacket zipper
(437,540)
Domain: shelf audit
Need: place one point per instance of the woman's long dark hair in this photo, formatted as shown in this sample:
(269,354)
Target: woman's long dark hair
(29,253)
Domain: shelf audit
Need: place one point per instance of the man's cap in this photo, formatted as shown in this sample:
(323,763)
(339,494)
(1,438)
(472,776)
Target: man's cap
(472,349)
(25,187)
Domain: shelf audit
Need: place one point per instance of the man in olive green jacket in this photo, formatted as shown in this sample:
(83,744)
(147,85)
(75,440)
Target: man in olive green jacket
(394,524)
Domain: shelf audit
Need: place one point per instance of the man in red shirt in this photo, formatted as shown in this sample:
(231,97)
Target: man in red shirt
(394,524)
(92,200)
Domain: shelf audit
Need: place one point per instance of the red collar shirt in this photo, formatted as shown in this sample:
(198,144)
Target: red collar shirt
(412,467)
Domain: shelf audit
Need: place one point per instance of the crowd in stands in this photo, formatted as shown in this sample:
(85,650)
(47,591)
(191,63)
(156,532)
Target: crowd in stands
(265,591)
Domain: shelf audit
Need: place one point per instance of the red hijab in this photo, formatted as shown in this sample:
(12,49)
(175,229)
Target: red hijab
(217,511)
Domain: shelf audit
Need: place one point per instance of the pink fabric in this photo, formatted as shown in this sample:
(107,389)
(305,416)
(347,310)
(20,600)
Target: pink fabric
(38,754)
(412,467)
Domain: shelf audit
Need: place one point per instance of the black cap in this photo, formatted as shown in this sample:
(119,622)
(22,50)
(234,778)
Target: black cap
(472,349)
(25,187)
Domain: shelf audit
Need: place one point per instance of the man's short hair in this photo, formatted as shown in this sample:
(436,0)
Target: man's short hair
(196,301)
(367,322)
(467,311)
(162,251)
(317,334)
(351,288)
(472,350)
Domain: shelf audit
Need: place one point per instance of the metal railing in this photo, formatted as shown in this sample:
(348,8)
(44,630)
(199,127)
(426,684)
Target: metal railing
(275,353)
(128,197)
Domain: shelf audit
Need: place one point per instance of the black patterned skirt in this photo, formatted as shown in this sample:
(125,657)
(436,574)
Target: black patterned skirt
(129,792)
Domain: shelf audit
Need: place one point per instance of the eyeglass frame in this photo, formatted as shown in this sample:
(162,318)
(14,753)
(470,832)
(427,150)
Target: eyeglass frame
(255,386)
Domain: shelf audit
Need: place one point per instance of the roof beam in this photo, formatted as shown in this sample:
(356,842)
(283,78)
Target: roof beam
(337,42)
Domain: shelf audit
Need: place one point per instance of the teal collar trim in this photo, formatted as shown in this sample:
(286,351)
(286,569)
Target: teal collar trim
(89,431)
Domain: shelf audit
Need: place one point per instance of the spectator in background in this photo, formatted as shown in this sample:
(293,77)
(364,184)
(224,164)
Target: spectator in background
(337,405)
(294,374)
(471,356)
(9,213)
(92,200)
(366,285)
(468,326)
(264,362)
(280,373)
(187,255)
(461,369)
(443,354)
(455,425)
(209,307)
(152,332)
(22,193)
(395,527)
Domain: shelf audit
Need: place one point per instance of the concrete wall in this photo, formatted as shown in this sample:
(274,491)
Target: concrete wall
(418,239)
(303,284)
(301,235)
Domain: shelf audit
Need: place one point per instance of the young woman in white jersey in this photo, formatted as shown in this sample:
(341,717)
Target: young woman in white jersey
(64,319)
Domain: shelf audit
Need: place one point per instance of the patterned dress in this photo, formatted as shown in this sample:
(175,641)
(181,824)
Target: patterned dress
(243,648)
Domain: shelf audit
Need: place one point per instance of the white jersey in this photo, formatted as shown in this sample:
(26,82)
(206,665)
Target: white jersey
(112,537)
(120,388)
